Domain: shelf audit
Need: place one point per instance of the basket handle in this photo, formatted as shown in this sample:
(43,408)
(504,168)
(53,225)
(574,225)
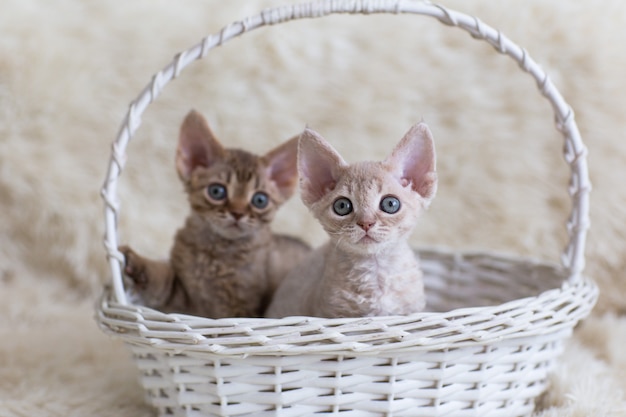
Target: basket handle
(574,150)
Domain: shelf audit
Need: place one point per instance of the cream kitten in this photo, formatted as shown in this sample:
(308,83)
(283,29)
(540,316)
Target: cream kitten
(368,209)
(225,260)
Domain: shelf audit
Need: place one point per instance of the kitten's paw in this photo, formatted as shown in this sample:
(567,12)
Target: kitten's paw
(134,267)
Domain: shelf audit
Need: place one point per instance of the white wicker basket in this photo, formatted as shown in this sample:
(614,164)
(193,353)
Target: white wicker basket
(488,360)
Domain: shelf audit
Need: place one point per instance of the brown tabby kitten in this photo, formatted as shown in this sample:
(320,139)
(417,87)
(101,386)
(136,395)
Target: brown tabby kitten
(225,261)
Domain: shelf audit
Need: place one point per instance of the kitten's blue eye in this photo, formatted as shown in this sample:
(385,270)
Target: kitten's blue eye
(260,200)
(342,206)
(390,204)
(216,191)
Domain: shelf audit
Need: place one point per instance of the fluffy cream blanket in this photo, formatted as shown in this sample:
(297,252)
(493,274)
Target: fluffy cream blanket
(69,68)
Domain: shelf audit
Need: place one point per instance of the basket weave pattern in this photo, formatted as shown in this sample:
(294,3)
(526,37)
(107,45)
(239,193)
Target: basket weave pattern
(491,359)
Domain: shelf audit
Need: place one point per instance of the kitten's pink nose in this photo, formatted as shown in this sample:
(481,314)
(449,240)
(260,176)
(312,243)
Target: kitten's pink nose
(366,225)
(237,215)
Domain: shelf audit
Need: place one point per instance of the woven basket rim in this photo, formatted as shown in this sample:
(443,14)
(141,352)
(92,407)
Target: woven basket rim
(551,310)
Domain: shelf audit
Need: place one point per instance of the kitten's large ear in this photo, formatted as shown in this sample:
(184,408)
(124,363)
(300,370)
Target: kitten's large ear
(197,146)
(319,166)
(282,166)
(413,161)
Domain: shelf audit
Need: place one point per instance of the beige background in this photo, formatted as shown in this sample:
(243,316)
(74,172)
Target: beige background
(68,70)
